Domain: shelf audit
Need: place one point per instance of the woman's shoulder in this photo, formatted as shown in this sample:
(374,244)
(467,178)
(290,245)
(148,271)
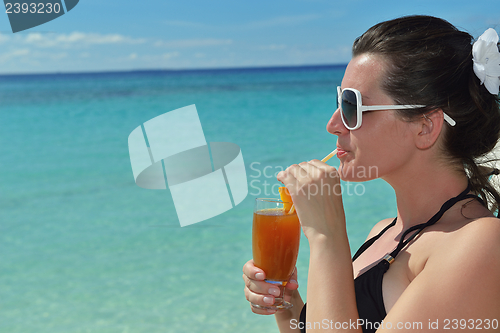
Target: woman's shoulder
(463,268)
(479,231)
(479,235)
(474,246)
(377,228)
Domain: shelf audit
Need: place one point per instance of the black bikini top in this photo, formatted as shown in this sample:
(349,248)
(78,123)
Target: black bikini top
(368,285)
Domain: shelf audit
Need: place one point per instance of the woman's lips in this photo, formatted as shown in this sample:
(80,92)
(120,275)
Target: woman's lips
(341,152)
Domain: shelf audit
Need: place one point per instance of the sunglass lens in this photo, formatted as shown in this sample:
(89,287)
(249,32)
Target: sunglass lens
(348,108)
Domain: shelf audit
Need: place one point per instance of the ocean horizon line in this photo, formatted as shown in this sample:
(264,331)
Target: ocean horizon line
(177,71)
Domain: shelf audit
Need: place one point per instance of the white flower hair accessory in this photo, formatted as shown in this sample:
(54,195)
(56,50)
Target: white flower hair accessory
(486,60)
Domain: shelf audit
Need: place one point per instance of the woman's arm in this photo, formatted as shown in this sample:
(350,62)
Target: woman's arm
(288,320)
(458,284)
(315,190)
(331,300)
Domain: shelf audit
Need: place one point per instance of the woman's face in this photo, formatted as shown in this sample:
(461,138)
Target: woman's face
(383,143)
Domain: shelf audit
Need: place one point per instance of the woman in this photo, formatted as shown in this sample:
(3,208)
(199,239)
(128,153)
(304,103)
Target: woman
(436,266)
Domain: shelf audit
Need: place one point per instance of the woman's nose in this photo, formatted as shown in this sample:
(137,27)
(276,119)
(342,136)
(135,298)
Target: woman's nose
(335,125)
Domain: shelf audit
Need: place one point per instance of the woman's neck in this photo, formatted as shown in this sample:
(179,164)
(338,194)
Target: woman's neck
(422,195)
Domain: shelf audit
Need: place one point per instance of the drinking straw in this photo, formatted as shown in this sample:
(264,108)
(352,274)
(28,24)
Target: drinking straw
(326,158)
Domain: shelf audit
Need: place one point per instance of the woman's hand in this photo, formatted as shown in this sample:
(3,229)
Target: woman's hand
(259,292)
(316,193)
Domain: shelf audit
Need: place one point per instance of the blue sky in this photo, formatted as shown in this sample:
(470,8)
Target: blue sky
(102,35)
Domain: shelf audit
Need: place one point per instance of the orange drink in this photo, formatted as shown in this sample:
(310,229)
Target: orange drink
(275,244)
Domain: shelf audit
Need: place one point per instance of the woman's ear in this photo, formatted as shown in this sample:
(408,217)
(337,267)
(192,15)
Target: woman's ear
(429,128)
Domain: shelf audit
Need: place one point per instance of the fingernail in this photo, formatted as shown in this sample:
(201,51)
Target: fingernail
(294,281)
(274,291)
(268,300)
(259,276)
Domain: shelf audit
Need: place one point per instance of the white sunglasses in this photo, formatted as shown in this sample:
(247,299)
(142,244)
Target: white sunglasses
(352,108)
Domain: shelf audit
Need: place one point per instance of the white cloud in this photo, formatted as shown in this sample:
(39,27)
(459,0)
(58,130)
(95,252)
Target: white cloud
(34,37)
(55,56)
(273,47)
(14,54)
(185,43)
(24,56)
(78,38)
(170,55)
(4,38)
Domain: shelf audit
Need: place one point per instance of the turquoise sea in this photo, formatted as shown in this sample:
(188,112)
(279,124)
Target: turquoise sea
(84,249)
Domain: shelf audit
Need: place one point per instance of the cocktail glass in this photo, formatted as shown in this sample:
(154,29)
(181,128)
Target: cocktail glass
(275,244)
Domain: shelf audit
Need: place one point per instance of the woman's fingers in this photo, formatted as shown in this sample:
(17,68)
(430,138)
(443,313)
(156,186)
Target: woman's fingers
(257,291)
(292,282)
(260,287)
(257,300)
(317,196)
(314,171)
(254,280)
(304,178)
(253,272)
(260,293)
(294,178)
(307,171)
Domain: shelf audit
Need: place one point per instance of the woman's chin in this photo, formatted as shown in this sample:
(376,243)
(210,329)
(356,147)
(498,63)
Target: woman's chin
(357,173)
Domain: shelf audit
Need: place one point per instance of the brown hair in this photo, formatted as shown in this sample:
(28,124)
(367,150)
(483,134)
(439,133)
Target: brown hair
(430,63)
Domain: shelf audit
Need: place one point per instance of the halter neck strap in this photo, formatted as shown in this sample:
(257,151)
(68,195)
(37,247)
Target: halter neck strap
(419,227)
